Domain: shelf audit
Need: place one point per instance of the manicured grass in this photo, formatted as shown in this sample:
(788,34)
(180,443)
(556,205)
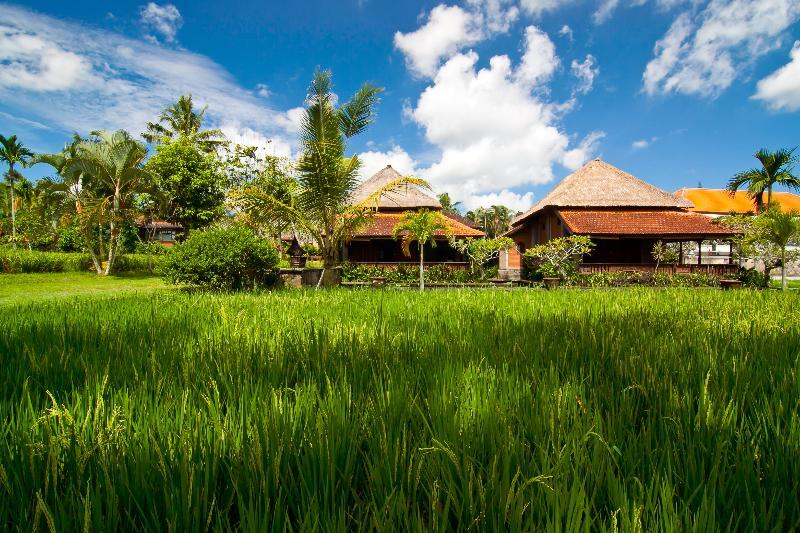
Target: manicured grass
(628,410)
(18,289)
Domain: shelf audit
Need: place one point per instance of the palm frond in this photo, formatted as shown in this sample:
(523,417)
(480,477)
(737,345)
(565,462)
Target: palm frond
(358,112)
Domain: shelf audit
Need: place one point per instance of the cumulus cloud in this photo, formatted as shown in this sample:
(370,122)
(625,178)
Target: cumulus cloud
(515,201)
(586,71)
(164,20)
(641,144)
(781,89)
(566,31)
(374,160)
(95,79)
(449,29)
(704,53)
(537,8)
(539,59)
(604,12)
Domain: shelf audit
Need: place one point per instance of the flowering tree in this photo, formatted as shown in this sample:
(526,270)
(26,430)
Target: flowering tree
(481,251)
(559,257)
(666,253)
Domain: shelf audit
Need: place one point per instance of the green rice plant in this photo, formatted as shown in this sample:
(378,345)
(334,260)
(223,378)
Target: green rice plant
(629,410)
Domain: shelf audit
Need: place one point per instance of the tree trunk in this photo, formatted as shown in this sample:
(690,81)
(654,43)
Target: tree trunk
(783,268)
(769,197)
(421,267)
(13,211)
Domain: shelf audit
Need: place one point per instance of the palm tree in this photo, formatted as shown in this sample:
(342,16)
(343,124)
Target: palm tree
(780,228)
(12,152)
(181,120)
(776,169)
(102,175)
(320,204)
(494,220)
(448,205)
(421,226)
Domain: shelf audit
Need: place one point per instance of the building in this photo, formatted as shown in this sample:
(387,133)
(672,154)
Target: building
(720,202)
(374,244)
(624,217)
(162,231)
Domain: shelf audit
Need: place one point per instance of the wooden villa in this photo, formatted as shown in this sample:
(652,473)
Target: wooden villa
(374,243)
(623,216)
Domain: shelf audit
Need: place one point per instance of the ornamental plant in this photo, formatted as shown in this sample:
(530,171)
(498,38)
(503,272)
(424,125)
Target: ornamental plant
(481,251)
(559,257)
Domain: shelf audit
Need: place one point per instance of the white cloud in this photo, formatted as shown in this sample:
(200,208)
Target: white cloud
(497,15)
(373,161)
(566,31)
(641,144)
(539,60)
(781,89)
(447,29)
(586,71)
(165,19)
(262,90)
(104,80)
(537,8)
(704,53)
(515,201)
(605,11)
(492,132)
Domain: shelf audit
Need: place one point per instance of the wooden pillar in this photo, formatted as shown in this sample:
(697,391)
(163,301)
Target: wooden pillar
(699,252)
(680,252)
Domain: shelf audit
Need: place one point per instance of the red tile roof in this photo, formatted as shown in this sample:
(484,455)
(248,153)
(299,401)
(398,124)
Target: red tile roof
(382,224)
(641,223)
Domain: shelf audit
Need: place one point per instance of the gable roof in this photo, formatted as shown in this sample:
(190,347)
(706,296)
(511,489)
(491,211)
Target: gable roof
(409,197)
(658,223)
(721,202)
(382,225)
(598,184)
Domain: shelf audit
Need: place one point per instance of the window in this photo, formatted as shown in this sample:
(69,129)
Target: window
(166,236)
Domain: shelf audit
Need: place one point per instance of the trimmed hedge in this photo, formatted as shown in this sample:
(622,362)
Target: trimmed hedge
(24,262)
(408,274)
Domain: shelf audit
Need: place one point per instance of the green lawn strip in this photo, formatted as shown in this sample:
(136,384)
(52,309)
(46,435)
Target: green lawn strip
(16,289)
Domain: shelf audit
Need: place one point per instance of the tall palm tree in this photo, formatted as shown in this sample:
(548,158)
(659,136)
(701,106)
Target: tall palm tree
(422,226)
(104,174)
(182,120)
(780,228)
(776,169)
(448,205)
(12,153)
(494,220)
(320,205)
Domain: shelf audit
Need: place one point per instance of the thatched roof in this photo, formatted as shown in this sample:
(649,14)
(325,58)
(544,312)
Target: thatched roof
(598,184)
(410,197)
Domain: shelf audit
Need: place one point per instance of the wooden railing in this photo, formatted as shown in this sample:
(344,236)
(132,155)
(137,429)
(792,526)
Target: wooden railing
(715,270)
(455,265)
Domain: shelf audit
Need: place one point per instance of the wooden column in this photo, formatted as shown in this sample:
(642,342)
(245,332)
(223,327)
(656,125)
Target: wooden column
(680,252)
(699,252)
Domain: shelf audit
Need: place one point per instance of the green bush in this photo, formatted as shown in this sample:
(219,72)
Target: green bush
(750,277)
(407,274)
(224,258)
(658,279)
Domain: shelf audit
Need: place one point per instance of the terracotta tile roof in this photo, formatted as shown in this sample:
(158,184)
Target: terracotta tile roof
(720,202)
(382,224)
(641,223)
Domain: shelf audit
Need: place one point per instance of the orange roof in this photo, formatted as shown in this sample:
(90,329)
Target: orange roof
(654,223)
(382,224)
(720,201)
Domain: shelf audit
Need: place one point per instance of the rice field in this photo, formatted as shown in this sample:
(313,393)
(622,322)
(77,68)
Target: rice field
(626,410)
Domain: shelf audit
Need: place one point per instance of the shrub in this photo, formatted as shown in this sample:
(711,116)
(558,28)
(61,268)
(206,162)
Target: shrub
(750,277)
(223,258)
(24,261)
(658,279)
(559,257)
(407,274)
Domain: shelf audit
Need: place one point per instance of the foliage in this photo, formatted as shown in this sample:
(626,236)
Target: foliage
(407,274)
(192,181)
(347,410)
(752,278)
(665,253)
(780,228)
(481,251)
(13,153)
(776,169)
(559,257)
(180,120)
(421,227)
(320,205)
(657,279)
(224,258)
(494,220)
(24,261)
(448,205)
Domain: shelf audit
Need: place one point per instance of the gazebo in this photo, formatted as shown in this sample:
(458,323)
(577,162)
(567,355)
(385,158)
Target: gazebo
(624,217)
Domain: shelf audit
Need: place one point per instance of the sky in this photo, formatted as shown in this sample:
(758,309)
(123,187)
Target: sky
(492,101)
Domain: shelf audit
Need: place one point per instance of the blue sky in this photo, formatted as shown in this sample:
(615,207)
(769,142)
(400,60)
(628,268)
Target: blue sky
(490,100)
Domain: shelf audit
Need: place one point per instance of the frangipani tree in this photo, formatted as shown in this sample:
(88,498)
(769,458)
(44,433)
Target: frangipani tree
(560,257)
(422,227)
(481,251)
(320,205)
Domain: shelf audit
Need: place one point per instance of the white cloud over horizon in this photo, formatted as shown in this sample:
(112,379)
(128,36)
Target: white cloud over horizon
(79,78)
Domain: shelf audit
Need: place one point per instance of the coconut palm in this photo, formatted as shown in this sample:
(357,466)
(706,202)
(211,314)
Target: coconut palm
(320,205)
(12,153)
(780,228)
(182,120)
(448,205)
(776,169)
(102,175)
(421,227)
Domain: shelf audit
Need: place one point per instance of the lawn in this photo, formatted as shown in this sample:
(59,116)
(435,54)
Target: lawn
(347,410)
(23,288)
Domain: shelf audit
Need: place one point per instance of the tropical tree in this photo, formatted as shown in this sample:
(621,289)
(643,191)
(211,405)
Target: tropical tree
(776,169)
(559,257)
(320,204)
(780,228)
(448,205)
(666,253)
(494,220)
(421,227)
(182,120)
(13,153)
(102,175)
(481,251)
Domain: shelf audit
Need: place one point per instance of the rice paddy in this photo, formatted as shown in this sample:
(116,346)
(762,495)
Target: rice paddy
(627,410)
